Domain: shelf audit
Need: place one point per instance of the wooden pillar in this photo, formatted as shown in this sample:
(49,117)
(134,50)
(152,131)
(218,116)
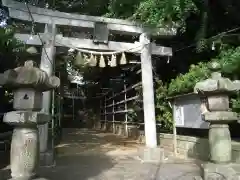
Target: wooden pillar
(73,107)
(100,115)
(126,109)
(105,112)
(148,92)
(113,112)
(47,64)
(59,104)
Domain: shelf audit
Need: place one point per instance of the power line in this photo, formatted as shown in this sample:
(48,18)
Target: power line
(212,37)
(33,22)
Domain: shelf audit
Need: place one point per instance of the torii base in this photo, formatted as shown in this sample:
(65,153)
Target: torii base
(151,155)
(47,159)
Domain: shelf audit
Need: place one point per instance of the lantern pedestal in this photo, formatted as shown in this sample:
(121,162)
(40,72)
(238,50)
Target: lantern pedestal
(212,171)
(28,84)
(215,110)
(24,156)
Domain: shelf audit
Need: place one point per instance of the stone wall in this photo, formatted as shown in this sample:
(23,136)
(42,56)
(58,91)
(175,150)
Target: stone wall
(187,146)
(194,147)
(118,128)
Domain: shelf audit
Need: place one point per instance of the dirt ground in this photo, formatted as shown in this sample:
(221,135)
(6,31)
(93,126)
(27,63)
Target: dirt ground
(93,155)
(83,141)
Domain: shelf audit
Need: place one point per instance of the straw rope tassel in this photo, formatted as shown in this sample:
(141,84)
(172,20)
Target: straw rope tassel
(79,60)
(102,62)
(92,61)
(95,59)
(113,60)
(123,59)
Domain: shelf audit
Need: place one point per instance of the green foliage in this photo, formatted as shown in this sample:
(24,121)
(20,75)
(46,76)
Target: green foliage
(122,8)
(132,114)
(11,52)
(11,49)
(184,83)
(168,13)
(8,42)
(163,110)
(230,60)
(236,103)
(135,106)
(154,12)
(162,12)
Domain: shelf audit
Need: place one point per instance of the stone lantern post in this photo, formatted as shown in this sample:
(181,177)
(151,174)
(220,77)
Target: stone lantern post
(215,109)
(27,83)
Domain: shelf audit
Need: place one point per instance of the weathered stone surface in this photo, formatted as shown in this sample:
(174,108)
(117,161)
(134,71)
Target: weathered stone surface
(213,171)
(24,153)
(220,143)
(47,159)
(43,133)
(218,103)
(237,83)
(214,93)
(28,76)
(28,83)
(226,116)
(216,83)
(27,99)
(151,155)
(21,118)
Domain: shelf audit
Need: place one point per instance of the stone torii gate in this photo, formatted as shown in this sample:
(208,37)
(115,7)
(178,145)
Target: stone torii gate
(52,19)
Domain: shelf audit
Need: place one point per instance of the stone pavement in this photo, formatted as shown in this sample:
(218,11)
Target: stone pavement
(92,155)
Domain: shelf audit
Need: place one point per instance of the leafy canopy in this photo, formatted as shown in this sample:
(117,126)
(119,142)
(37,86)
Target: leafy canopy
(153,12)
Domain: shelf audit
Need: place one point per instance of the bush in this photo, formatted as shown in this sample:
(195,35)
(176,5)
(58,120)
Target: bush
(163,110)
(184,83)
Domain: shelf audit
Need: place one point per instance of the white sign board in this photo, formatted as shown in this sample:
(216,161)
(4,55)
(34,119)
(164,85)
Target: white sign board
(179,116)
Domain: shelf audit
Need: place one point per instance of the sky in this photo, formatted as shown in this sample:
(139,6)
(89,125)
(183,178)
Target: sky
(3,18)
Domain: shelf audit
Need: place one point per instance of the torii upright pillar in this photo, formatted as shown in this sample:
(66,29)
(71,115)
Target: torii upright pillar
(47,64)
(151,153)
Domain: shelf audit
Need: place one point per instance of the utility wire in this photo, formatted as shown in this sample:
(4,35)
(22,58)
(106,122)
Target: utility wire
(33,23)
(212,37)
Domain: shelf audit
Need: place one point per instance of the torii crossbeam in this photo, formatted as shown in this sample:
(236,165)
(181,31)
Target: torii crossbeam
(52,19)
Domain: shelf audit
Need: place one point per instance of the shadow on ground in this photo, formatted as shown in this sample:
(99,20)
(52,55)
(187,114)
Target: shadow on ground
(75,141)
(94,155)
(83,154)
(77,167)
(4,165)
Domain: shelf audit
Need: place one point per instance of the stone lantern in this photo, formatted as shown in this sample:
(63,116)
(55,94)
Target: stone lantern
(27,83)
(214,93)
